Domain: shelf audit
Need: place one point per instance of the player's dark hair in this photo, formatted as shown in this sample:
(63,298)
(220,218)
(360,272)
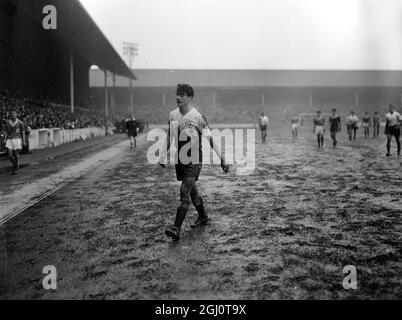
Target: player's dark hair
(185,90)
(334,110)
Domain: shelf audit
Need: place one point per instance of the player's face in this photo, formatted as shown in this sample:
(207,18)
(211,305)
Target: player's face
(182,101)
(391,109)
(14,115)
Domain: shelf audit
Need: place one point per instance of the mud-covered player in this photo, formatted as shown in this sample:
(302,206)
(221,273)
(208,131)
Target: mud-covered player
(334,126)
(263,122)
(15,131)
(393,129)
(132,131)
(318,128)
(187,121)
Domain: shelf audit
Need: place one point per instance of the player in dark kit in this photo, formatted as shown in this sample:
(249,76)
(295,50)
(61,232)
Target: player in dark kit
(132,130)
(188,121)
(376,124)
(335,126)
(15,131)
(393,129)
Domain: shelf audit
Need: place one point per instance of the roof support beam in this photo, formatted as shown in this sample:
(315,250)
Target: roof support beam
(72,81)
(106,104)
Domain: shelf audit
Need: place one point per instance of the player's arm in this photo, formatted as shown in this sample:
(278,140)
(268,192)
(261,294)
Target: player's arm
(167,146)
(217,150)
(215,146)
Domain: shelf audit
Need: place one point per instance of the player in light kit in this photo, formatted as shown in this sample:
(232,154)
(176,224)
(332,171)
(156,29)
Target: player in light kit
(376,124)
(15,131)
(188,121)
(263,121)
(352,121)
(319,130)
(335,126)
(295,124)
(366,124)
(393,129)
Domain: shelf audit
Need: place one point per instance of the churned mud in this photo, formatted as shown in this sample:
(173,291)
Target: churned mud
(283,232)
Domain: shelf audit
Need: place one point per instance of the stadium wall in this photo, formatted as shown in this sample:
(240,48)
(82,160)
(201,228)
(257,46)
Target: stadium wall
(47,138)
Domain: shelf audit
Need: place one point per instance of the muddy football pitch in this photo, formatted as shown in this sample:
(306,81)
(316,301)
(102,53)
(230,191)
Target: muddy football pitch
(285,231)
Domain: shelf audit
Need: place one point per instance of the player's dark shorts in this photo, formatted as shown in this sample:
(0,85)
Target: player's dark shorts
(393,131)
(188,170)
(263,128)
(132,133)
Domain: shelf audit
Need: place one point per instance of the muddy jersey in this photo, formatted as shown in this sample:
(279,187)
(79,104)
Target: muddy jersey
(394,119)
(335,123)
(15,129)
(189,129)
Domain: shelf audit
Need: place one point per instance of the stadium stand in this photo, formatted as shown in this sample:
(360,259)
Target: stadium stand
(44,74)
(238,96)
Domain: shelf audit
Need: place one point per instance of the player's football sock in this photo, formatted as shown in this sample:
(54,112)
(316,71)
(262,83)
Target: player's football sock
(13,160)
(180,216)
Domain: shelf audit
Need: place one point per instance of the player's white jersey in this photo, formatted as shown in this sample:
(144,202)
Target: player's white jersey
(393,119)
(191,120)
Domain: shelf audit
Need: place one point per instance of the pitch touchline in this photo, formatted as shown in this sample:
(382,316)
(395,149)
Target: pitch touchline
(32,203)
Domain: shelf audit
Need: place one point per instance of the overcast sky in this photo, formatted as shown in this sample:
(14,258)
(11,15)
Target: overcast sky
(255,34)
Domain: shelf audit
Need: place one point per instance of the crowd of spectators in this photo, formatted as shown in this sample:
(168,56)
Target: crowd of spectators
(38,113)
